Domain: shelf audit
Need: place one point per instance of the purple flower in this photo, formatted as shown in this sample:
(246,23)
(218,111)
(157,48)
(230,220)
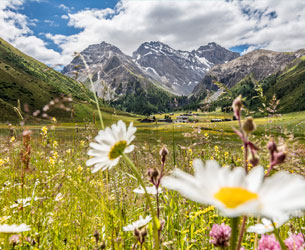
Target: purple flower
(220,235)
(295,242)
(268,242)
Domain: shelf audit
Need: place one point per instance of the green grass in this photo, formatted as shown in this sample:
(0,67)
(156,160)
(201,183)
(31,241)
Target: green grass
(74,203)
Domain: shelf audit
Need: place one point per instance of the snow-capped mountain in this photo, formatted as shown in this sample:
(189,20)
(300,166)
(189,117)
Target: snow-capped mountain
(110,68)
(153,63)
(179,71)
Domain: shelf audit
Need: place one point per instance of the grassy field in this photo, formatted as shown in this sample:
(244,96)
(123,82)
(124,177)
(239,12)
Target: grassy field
(68,207)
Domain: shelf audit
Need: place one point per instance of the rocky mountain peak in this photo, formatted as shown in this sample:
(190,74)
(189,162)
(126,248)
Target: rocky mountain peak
(215,54)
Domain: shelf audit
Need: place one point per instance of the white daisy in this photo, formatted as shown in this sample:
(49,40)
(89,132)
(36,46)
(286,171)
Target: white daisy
(266,225)
(150,190)
(234,193)
(138,224)
(5,228)
(111,144)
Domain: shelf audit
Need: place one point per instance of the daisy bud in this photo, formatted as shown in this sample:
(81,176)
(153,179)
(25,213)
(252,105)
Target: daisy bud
(153,174)
(220,235)
(237,104)
(96,236)
(295,241)
(268,242)
(163,153)
(249,125)
(271,146)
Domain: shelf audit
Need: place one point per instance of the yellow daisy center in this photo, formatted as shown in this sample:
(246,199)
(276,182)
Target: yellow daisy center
(232,197)
(117,150)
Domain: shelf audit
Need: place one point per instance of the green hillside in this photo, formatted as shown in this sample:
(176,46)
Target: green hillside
(288,87)
(35,84)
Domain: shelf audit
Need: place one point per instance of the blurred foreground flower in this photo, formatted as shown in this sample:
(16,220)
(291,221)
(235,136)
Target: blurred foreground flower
(268,242)
(295,242)
(5,228)
(234,193)
(138,224)
(150,190)
(220,235)
(111,144)
(266,225)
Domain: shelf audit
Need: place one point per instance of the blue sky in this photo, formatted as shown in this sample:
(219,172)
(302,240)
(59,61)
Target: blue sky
(52,30)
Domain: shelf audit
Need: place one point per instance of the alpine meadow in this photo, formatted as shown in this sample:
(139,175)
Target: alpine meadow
(152,124)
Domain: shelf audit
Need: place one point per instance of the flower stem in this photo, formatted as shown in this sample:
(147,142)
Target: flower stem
(155,219)
(277,235)
(93,89)
(242,231)
(234,227)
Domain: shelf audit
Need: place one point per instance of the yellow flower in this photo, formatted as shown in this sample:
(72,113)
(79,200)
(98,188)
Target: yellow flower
(52,161)
(206,135)
(12,139)
(44,130)
(54,119)
(1,162)
(82,143)
(212,158)
(55,144)
(216,148)
(79,168)
(55,155)
(226,154)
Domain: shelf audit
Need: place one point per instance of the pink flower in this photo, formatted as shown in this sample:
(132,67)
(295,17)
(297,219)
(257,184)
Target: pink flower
(268,242)
(220,235)
(295,242)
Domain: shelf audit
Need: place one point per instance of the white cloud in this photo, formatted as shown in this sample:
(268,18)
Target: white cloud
(273,24)
(14,28)
(188,24)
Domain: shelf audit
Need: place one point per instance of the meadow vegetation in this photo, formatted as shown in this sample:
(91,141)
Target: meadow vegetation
(46,184)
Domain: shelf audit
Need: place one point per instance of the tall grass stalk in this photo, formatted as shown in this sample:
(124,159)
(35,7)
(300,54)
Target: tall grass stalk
(93,89)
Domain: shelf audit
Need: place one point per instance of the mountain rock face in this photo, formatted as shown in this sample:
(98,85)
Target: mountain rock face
(214,53)
(179,71)
(259,64)
(110,68)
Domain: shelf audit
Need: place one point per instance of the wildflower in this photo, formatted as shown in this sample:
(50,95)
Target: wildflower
(111,144)
(237,104)
(150,190)
(220,235)
(295,242)
(138,224)
(79,168)
(82,143)
(14,239)
(234,193)
(12,139)
(268,242)
(1,162)
(52,161)
(55,144)
(54,119)
(14,228)
(266,226)
(249,125)
(44,131)
(216,149)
